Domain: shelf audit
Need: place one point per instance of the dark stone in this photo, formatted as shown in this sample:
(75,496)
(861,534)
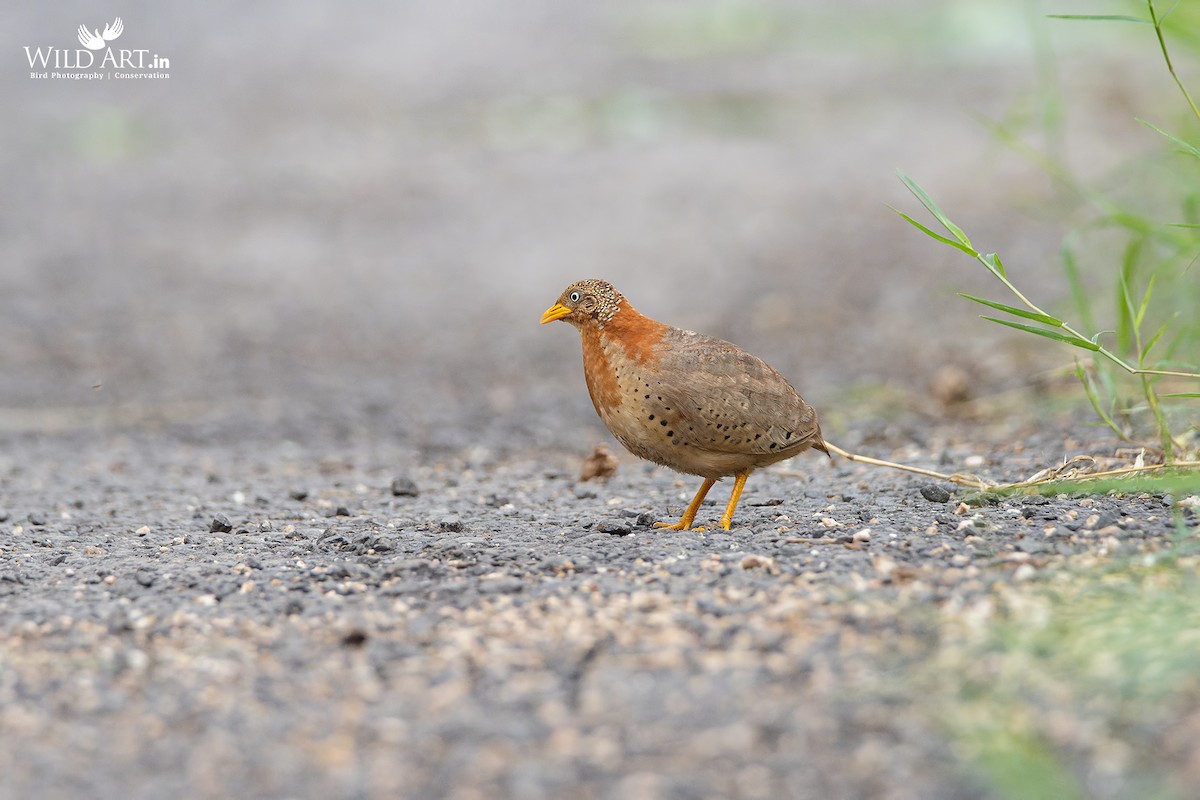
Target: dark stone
(334,538)
(615,528)
(355,638)
(378,544)
(451,524)
(646,520)
(404,487)
(36,518)
(298,494)
(220,524)
(934,493)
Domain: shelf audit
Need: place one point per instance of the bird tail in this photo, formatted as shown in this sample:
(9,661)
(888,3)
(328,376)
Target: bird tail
(819,443)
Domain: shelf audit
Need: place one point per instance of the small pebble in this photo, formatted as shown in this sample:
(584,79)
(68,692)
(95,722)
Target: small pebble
(451,524)
(766,502)
(558,564)
(600,465)
(615,528)
(404,486)
(298,494)
(355,638)
(220,524)
(4,515)
(753,561)
(934,493)
(37,519)
(1024,572)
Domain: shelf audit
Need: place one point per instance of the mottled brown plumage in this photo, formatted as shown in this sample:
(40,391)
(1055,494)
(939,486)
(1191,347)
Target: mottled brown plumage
(689,402)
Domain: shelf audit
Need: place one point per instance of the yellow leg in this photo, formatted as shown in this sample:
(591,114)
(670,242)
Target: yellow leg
(734,496)
(689,516)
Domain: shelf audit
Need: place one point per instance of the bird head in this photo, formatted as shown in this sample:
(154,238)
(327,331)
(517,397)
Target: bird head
(586,302)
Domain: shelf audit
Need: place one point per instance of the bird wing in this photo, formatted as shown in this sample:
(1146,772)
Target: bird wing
(730,401)
(114,30)
(90,40)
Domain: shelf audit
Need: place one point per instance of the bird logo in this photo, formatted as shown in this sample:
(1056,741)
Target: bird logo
(95,40)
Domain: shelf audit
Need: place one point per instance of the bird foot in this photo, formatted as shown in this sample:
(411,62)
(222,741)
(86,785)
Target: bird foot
(679,526)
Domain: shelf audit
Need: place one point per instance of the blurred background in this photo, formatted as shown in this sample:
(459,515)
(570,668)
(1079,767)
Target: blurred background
(348,219)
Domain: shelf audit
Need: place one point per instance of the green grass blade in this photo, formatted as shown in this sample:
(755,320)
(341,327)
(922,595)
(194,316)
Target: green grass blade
(1154,340)
(1101,18)
(1162,18)
(1182,394)
(1082,302)
(1127,330)
(1089,388)
(992,262)
(1141,312)
(1049,334)
(933,209)
(935,235)
(1045,319)
(1184,147)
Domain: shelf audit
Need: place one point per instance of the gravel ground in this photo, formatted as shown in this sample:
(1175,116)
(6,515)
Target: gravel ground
(196,618)
(289,483)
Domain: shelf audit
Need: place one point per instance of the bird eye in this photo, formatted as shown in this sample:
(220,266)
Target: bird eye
(574,297)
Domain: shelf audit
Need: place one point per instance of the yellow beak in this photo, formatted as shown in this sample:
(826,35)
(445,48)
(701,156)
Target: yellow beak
(556,311)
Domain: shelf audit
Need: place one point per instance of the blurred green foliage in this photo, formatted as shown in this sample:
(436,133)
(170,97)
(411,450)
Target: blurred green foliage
(1134,238)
